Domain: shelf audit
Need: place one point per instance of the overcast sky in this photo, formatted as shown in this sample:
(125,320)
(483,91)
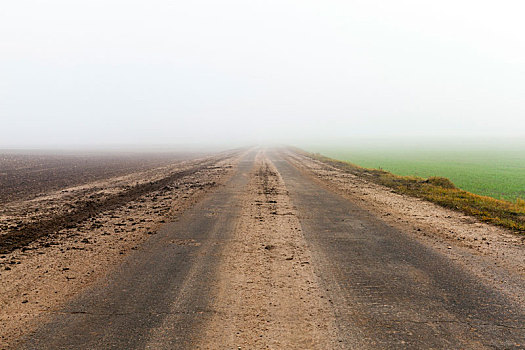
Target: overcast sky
(207,71)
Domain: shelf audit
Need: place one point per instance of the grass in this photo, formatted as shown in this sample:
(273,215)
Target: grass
(497,173)
(442,191)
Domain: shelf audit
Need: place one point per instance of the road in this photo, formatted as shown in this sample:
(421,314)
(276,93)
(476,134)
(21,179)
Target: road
(384,289)
(392,290)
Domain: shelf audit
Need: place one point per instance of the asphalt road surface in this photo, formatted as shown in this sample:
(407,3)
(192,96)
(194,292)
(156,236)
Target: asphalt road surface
(387,290)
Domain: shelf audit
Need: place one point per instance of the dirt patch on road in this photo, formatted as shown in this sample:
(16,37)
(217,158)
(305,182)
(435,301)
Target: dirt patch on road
(268,294)
(48,271)
(492,253)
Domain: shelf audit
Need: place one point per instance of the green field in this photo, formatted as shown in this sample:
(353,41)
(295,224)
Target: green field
(499,173)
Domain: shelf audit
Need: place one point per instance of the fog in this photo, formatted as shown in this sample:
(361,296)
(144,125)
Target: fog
(168,73)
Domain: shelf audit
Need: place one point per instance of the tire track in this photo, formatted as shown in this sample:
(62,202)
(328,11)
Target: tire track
(83,210)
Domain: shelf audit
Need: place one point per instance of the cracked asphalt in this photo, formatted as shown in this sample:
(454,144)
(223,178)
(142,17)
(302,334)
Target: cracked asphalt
(387,290)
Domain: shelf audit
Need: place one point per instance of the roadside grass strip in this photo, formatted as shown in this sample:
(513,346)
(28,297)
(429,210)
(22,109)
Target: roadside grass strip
(441,191)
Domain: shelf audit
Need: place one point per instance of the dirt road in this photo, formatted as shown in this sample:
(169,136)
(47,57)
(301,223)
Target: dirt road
(275,259)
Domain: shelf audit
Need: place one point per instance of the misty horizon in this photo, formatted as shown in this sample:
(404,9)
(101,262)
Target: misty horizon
(114,74)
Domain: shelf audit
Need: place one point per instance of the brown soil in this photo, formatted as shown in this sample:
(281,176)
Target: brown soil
(492,253)
(26,175)
(49,270)
(268,294)
(21,234)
